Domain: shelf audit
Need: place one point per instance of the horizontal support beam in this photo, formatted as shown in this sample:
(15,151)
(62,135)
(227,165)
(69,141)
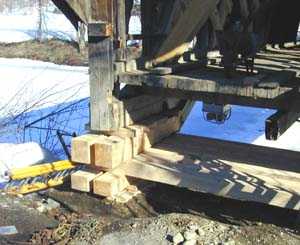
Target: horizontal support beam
(279,123)
(211,80)
(287,102)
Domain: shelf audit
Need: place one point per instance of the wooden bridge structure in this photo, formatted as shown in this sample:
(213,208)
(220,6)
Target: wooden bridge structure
(139,100)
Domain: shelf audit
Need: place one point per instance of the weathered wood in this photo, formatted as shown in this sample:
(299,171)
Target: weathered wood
(206,80)
(239,171)
(177,68)
(282,78)
(189,13)
(101,58)
(87,11)
(140,107)
(156,129)
(277,124)
(288,102)
(100,29)
(101,85)
(155,15)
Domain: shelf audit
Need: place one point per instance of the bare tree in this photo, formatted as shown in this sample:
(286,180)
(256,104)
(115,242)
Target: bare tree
(40,20)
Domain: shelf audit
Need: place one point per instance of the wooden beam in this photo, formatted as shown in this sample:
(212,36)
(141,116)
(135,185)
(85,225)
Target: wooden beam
(193,14)
(103,103)
(82,180)
(110,184)
(109,152)
(82,148)
(288,102)
(138,108)
(279,123)
(177,68)
(239,171)
(101,84)
(206,81)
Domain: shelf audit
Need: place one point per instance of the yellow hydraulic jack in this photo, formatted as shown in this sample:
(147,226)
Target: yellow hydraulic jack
(39,177)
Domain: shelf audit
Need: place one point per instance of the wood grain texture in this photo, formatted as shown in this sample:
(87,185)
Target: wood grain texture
(234,170)
(208,81)
(110,184)
(82,180)
(192,14)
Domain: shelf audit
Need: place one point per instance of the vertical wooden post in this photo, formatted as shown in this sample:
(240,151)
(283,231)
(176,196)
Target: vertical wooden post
(147,24)
(104,32)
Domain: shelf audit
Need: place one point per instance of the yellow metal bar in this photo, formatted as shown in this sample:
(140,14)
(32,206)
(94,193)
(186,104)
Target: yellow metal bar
(40,170)
(28,188)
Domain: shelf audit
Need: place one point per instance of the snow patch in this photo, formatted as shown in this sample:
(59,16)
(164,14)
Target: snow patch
(22,155)
(30,85)
(19,27)
(247,125)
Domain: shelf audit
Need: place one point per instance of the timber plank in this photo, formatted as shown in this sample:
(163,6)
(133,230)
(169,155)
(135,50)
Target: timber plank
(210,81)
(234,170)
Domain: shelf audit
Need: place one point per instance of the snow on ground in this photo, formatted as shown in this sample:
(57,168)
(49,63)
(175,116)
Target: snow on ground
(32,90)
(23,25)
(20,155)
(30,85)
(246,125)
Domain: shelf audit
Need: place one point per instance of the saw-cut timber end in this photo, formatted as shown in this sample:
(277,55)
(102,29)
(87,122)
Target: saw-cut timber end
(105,154)
(277,124)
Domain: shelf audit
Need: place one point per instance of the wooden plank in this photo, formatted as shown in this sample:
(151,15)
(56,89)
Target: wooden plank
(239,171)
(139,108)
(177,68)
(281,78)
(158,129)
(279,123)
(82,180)
(137,140)
(288,101)
(86,11)
(267,157)
(205,81)
(110,184)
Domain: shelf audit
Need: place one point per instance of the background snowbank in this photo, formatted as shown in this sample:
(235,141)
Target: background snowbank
(19,27)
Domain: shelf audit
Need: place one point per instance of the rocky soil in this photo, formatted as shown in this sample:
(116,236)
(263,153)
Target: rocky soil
(160,215)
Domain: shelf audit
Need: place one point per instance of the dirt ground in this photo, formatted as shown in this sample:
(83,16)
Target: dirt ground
(55,51)
(157,216)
